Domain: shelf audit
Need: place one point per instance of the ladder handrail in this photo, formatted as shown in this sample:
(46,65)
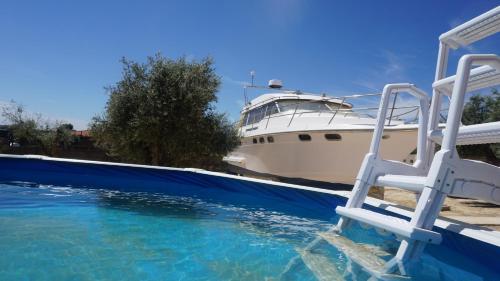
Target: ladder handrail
(458,96)
(422,120)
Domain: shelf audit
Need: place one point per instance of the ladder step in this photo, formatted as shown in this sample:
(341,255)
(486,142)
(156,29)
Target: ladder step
(391,224)
(322,267)
(359,253)
(363,255)
(412,183)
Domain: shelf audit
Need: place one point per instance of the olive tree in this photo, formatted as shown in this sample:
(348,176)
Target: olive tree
(162,112)
(33,130)
(480,109)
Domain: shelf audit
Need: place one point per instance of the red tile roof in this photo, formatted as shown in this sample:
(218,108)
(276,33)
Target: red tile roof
(83,133)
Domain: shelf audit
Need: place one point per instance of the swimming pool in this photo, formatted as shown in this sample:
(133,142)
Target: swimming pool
(63,220)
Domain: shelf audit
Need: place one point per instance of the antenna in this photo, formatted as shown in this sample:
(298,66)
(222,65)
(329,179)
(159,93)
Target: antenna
(252,74)
(245,94)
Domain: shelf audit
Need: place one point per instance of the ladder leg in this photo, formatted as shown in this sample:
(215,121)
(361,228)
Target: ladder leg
(427,210)
(356,200)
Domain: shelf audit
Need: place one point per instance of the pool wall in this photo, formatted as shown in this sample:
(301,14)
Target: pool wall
(482,244)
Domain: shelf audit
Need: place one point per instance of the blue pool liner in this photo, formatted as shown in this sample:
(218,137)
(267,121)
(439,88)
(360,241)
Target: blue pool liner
(212,186)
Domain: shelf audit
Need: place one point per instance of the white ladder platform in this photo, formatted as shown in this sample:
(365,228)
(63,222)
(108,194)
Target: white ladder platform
(391,224)
(367,257)
(476,29)
(472,134)
(479,78)
(412,183)
(322,267)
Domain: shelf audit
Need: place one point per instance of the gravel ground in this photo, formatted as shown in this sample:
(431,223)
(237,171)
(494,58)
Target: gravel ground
(467,210)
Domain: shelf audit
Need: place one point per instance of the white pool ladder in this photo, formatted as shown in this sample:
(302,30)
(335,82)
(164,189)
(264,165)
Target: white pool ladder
(438,175)
(434,176)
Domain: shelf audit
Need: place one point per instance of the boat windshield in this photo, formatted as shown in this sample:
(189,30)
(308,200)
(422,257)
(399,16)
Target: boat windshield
(306,105)
(287,107)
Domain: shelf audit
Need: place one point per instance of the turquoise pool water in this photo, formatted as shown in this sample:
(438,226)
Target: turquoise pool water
(62,233)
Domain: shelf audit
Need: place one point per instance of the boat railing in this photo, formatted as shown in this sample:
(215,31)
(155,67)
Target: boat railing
(340,106)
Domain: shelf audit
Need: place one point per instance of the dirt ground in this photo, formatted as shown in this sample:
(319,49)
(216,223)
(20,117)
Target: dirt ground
(467,210)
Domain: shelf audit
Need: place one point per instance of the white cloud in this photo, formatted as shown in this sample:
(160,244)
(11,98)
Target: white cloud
(394,65)
(230,80)
(456,22)
(240,103)
(392,68)
(283,13)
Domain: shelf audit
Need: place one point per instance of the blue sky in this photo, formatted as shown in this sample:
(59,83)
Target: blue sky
(57,57)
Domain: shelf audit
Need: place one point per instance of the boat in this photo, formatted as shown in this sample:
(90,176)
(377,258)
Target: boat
(307,138)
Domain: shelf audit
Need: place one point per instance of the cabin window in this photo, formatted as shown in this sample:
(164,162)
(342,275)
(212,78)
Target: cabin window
(333,137)
(304,137)
(254,140)
(261,140)
(271,109)
(307,105)
(255,115)
(270,139)
(385,137)
(260,114)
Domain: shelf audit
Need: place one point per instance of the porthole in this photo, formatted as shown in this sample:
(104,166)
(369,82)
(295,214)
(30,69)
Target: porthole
(304,137)
(261,140)
(333,137)
(385,137)
(270,139)
(254,140)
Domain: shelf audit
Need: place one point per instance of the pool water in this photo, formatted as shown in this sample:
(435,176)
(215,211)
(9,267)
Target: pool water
(63,233)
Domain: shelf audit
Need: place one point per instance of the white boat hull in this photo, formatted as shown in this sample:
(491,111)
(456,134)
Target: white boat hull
(318,159)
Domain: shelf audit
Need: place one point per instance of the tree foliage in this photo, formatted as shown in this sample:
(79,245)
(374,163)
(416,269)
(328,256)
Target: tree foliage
(161,112)
(481,109)
(32,130)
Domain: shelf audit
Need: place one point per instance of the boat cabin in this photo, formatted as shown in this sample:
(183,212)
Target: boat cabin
(289,103)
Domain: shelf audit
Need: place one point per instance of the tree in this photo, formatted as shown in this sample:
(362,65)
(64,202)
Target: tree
(23,127)
(51,138)
(481,109)
(32,130)
(162,112)
(66,126)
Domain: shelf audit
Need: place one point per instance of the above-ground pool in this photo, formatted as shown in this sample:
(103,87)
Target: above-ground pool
(72,220)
